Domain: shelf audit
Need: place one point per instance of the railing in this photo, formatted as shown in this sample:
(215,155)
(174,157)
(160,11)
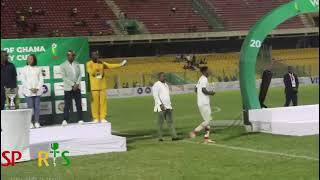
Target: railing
(209,15)
(195,35)
(130,26)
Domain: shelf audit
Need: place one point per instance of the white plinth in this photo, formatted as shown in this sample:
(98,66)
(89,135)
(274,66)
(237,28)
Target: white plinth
(294,120)
(71,131)
(85,139)
(15,132)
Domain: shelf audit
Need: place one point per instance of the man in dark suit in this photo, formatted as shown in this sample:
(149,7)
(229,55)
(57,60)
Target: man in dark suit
(291,83)
(265,83)
(8,76)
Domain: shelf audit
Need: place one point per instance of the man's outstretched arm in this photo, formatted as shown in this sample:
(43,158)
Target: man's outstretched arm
(113,66)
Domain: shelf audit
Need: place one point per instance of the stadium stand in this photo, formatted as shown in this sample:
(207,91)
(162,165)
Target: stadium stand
(307,59)
(224,66)
(167,16)
(56,18)
(243,14)
(90,18)
(137,70)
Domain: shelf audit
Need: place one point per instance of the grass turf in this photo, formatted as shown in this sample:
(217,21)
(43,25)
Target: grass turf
(147,159)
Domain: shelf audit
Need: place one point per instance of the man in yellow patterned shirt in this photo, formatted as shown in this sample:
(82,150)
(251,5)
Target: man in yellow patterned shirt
(98,85)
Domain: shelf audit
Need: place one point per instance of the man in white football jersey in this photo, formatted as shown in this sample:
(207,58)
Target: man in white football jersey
(203,100)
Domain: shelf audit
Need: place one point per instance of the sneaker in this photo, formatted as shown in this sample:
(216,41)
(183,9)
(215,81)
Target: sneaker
(37,125)
(192,134)
(208,141)
(176,139)
(31,126)
(80,122)
(64,123)
(95,121)
(104,121)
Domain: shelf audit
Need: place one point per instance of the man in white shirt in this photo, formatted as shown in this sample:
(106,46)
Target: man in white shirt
(162,107)
(71,75)
(203,100)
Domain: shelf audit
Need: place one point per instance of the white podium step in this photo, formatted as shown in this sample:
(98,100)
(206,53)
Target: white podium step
(85,139)
(295,121)
(78,147)
(296,128)
(70,131)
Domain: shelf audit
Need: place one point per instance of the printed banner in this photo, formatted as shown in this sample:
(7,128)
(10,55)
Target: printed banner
(50,52)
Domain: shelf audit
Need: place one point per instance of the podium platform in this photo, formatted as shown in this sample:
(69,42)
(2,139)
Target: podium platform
(15,132)
(84,139)
(294,120)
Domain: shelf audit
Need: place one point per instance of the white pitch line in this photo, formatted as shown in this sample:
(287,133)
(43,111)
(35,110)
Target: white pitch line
(117,132)
(243,149)
(139,137)
(257,151)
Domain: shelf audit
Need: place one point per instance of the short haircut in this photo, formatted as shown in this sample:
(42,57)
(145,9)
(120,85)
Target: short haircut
(160,73)
(203,69)
(35,60)
(71,51)
(96,51)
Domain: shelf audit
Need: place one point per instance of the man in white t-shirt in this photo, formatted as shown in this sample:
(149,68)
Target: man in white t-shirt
(203,100)
(162,106)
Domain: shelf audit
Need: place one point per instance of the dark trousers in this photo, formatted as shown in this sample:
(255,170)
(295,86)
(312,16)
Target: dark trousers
(263,91)
(262,97)
(3,100)
(291,96)
(68,96)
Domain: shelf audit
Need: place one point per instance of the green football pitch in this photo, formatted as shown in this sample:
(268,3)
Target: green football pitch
(236,154)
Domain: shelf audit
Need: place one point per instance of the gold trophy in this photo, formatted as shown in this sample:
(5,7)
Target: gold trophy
(11,94)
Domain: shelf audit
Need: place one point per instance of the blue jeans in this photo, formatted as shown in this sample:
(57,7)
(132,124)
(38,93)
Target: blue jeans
(34,103)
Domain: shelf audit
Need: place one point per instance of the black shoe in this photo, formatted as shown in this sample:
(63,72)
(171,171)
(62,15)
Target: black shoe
(160,140)
(176,139)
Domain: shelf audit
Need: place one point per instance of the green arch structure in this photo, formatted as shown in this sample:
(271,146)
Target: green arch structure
(253,42)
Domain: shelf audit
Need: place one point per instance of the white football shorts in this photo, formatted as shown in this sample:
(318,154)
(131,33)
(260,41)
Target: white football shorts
(205,111)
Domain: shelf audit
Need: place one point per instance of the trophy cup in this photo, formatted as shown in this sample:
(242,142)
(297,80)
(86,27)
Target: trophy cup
(11,94)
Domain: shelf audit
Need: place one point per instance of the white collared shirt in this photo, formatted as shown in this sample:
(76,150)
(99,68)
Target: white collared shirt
(293,80)
(73,66)
(161,95)
(31,78)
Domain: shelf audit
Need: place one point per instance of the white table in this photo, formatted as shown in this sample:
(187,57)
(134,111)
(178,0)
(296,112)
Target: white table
(15,132)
